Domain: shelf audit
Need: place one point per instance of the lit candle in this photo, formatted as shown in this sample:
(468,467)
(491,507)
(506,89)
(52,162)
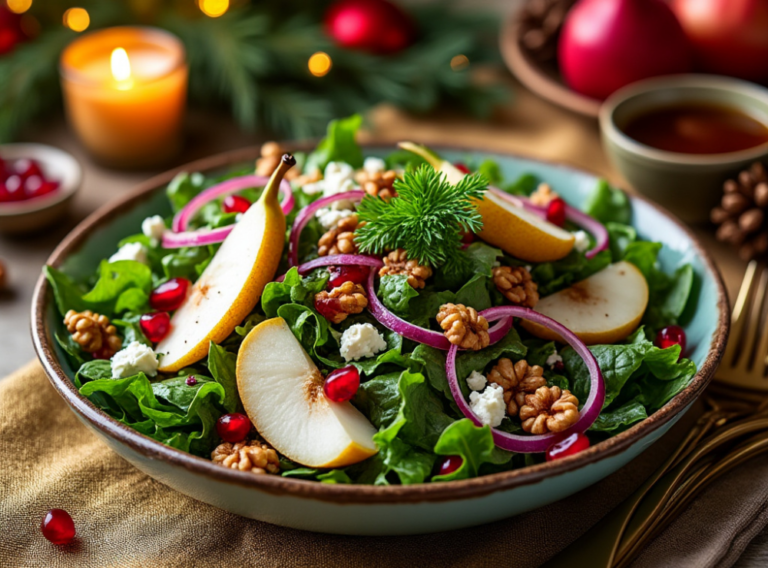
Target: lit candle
(125,93)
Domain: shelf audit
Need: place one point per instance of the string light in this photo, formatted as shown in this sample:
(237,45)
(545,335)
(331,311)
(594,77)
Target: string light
(19,6)
(214,8)
(77,19)
(459,62)
(319,64)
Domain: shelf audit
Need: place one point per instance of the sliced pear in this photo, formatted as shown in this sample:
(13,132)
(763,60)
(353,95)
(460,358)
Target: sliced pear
(282,392)
(604,308)
(513,229)
(231,285)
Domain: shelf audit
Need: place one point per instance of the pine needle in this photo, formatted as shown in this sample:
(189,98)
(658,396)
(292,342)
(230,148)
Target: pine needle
(427,218)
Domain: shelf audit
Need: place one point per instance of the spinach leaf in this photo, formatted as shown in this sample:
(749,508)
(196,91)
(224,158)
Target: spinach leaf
(339,145)
(396,293)
(475,446)
(183,188)
(607,204)
(115,279)
(222,365)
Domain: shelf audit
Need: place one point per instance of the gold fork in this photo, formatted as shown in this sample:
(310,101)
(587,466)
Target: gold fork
(616,539)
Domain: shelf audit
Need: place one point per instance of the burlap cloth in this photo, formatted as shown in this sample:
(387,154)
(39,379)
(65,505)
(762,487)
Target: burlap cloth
(123,518)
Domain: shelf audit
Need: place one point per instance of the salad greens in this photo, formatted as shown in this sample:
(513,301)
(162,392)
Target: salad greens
(404,390)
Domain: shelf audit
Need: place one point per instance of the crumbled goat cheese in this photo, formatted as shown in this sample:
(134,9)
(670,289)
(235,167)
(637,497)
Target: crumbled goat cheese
(153,227)
(337,178)
(373,165)
(131,251)
(581,241)
(361,340)
(489,405)
(136,358)
(553,360)
(528,267)
(476,381)
(329,217)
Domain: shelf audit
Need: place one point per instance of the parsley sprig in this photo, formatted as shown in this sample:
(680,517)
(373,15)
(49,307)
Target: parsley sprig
(427,218)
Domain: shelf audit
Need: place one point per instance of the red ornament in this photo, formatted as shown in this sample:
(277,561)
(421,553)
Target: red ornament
(235,204)
(556,212)
(570,446)
(58,527)
(11,33)
(351,273)
(451,464)
(377,26)
(606,44)
(234,427)
(729,37)
(342,384)
(669,336)
(169,296)
(155,326)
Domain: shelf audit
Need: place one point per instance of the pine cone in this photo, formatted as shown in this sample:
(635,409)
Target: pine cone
(540,24)
(93,332)
(742,213)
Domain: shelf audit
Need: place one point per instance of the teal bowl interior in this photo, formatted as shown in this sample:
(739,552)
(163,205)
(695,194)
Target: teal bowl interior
(706,326)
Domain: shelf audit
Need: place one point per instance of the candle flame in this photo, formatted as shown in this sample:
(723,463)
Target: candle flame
(121,65)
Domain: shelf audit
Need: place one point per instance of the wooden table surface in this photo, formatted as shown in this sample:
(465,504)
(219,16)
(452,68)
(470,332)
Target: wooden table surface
(527,125)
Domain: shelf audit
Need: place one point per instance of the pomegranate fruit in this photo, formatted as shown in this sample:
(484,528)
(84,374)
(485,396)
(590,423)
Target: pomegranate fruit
(342,384)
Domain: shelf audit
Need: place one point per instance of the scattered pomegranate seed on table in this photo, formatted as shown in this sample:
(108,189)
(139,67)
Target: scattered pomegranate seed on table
(235,204)
(22,180)
(342,384)
(169,296)
(155,325)
(450,464)
(58,527)
(669,336)
(233,427)
(556,212)
(570,446)
(341,274)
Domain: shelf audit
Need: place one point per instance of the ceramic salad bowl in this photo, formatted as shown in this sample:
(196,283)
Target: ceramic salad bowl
(394,509)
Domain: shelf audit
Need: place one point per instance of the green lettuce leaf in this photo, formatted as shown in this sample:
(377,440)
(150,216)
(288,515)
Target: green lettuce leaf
(339,145)
(183,188)
(222,365)
(607,204)
(475,446)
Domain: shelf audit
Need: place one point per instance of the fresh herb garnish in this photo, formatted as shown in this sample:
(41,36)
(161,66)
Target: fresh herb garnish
(427,218)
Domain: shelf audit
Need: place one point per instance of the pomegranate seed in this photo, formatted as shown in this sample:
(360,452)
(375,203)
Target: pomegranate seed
(27,168)
(342,384)
(556,212)
(233,427)
(155,326)
(58,527)
(3,170)
(169,296)
(468,237)
(451,464)
(235,204)
(35,186)
(669,336)
(341,274)
(191,381)
(461,167)
(570,446)
(329,308)
(14,188)
(558,367)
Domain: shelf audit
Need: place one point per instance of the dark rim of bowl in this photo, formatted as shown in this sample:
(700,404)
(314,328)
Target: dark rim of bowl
(432,492)
(714,83)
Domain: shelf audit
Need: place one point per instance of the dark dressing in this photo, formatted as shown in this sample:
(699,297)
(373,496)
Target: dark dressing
(694,128)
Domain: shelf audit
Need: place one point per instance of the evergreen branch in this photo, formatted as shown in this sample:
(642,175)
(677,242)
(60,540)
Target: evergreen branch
(427,218)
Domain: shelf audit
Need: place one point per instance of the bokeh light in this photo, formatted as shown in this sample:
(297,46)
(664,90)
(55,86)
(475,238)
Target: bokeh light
(120,64)
(214,8)
(459,62)
(77,19)
(319,64)
(19,6)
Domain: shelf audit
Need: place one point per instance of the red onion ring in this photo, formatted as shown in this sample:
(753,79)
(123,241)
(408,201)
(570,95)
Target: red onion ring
(338,260)
(303,217)
(537,443)
(576,216)
(414,332)
(179,236)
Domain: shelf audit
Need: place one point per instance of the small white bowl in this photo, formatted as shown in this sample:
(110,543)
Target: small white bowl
(34,214)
